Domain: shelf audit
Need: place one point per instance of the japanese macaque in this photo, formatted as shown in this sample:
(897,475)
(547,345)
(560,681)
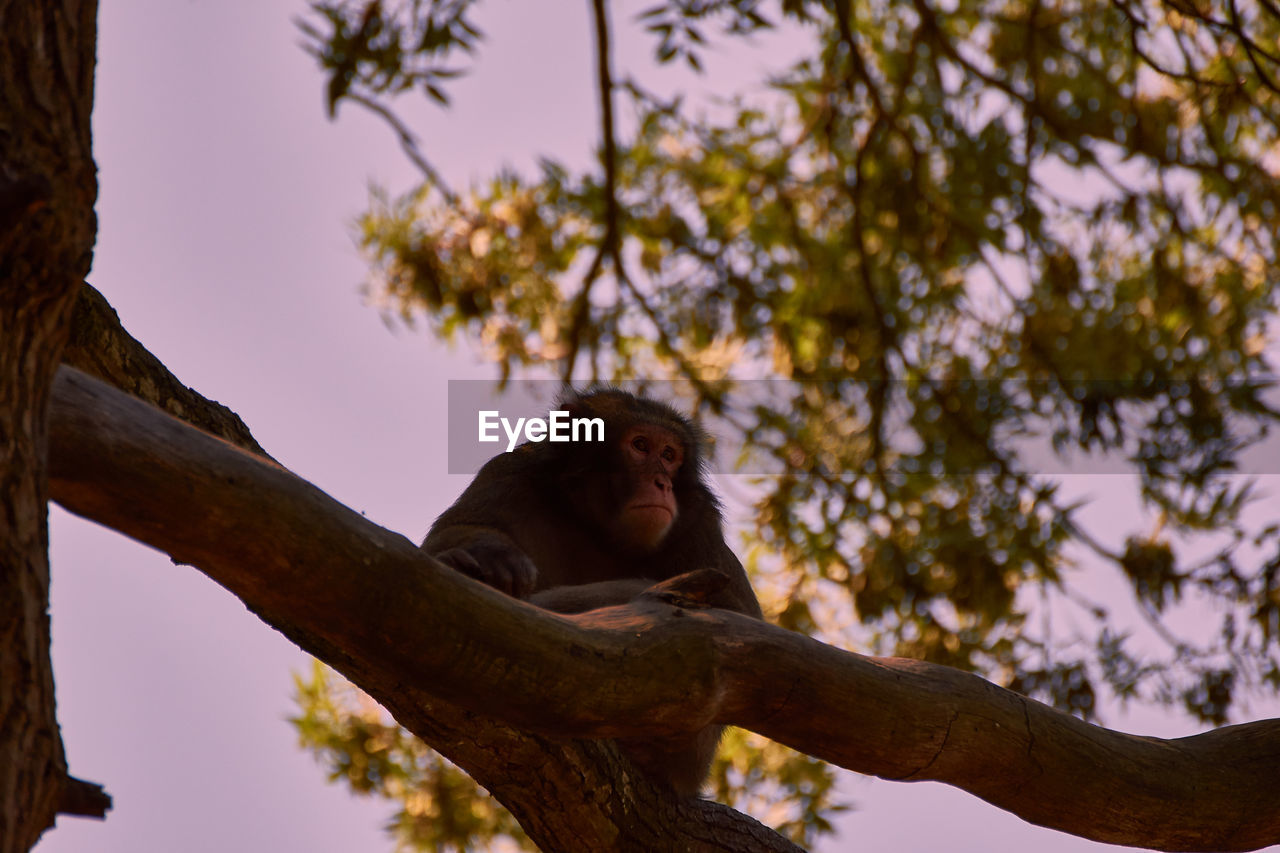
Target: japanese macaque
(573,526)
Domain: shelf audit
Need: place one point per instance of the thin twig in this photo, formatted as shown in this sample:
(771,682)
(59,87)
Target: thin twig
(609,245)
(409,144)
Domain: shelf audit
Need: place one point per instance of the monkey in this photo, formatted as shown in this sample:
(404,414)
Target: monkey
(574,526)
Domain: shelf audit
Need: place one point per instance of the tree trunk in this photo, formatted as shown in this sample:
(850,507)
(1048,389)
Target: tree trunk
(48,186)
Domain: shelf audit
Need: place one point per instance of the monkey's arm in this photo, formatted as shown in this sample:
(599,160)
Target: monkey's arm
(715,588)
(588,596)
(479,534)
(485,553)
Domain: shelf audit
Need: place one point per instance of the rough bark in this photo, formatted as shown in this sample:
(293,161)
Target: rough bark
(451,658)
(48,187)
(100,346)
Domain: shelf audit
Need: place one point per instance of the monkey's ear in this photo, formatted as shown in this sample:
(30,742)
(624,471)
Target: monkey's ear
(579,405)
(579,410)
(571,401)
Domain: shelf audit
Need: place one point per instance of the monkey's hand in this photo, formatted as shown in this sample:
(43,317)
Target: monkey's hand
(494,560)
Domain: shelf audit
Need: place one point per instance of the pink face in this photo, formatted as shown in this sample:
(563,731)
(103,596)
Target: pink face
(653,455)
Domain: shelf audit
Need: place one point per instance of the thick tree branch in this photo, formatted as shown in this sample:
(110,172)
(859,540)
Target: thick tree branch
(418,636)
(101,347)
(348,608)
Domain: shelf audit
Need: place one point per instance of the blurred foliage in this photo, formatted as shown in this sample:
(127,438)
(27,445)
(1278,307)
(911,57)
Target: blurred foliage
(981,241)
(363,747)
(787,790)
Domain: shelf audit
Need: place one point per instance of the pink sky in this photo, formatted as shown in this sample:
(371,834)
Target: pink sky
(226,198)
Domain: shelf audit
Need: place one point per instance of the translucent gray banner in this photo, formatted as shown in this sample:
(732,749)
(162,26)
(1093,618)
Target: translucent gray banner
(485,421)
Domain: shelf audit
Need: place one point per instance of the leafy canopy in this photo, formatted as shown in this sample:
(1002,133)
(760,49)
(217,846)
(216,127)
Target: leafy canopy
(980,240)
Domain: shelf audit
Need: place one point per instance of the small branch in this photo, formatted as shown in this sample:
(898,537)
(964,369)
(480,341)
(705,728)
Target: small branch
(604,80)
(610,245)
(878,387)
(83,799)
(409,144)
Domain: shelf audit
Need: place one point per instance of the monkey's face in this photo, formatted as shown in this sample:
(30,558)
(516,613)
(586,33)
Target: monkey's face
(650,459)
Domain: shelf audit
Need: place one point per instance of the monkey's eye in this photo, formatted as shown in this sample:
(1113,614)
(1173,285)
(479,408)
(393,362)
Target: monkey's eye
(640,443)
(669,453)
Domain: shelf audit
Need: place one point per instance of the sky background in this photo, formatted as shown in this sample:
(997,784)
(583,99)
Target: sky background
(225,245)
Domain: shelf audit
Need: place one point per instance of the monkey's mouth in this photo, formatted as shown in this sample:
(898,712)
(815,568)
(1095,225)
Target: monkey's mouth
(650,521)
(649,508)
